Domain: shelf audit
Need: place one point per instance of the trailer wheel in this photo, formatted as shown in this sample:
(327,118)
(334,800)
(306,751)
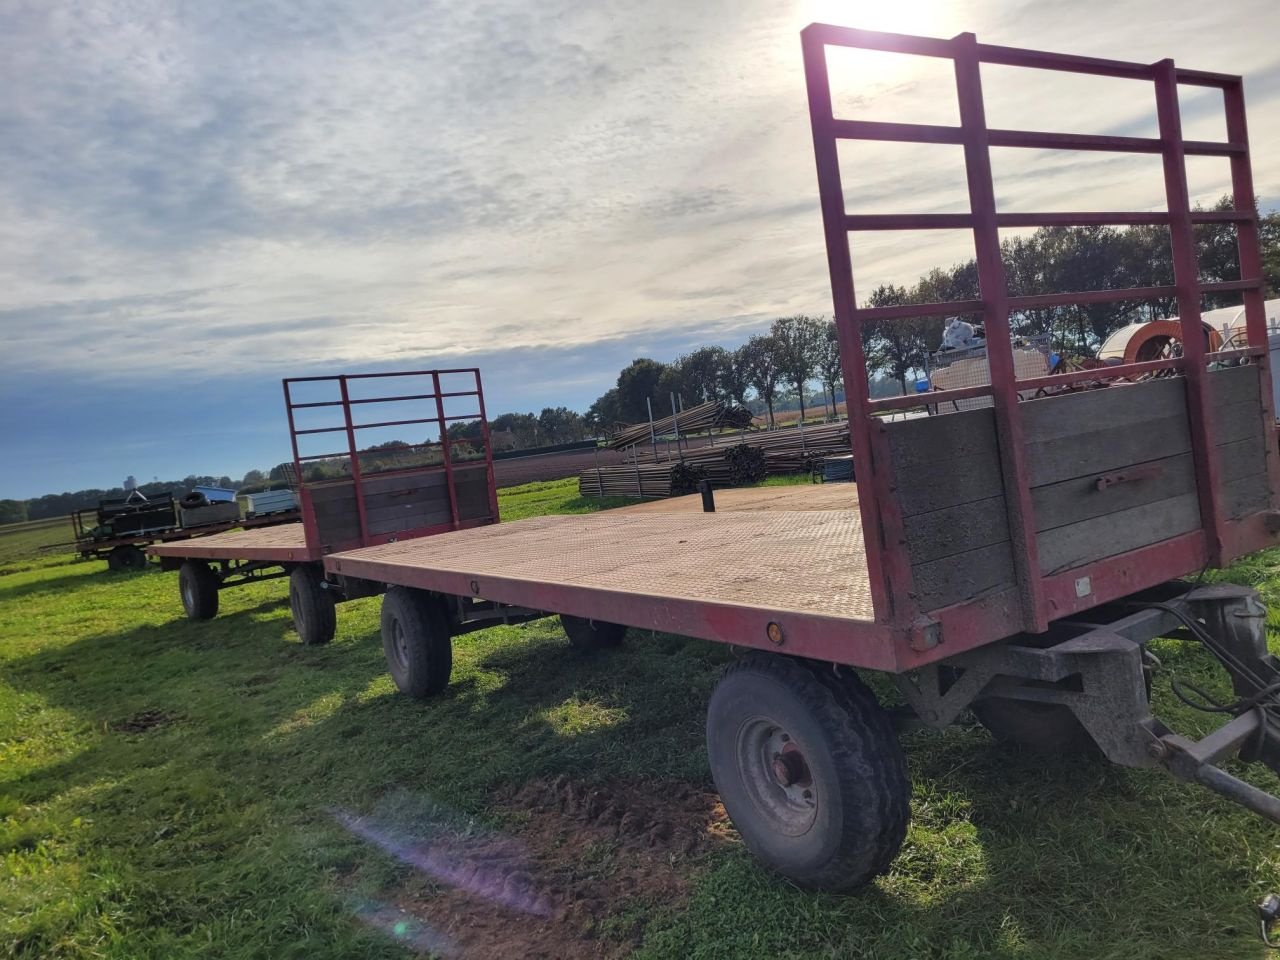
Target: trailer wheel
(126,557)
(809,770)
(591,634)
(315,614)
(417,641)
(198,585)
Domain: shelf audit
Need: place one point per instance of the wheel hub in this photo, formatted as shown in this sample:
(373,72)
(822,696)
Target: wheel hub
(789,767)
(777,777)
(400,644)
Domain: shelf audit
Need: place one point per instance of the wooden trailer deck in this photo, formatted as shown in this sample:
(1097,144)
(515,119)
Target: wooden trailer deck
(722,576)
(284,542)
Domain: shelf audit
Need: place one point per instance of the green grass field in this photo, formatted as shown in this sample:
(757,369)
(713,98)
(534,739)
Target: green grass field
(26,541)
(172,789)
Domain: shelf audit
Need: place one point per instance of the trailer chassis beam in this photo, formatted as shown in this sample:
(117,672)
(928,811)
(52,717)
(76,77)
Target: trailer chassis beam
(1098,671)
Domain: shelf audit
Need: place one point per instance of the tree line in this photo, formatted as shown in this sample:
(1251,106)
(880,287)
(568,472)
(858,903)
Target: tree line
(800,350)
(795,351)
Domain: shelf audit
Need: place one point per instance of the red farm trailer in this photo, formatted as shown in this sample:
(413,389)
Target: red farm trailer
(361,494)
(1013,558)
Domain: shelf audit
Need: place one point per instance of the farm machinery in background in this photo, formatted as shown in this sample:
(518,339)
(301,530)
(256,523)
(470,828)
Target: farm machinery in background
(118,528)
(961,359)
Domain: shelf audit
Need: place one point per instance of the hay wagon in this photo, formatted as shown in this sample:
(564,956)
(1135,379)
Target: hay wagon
(1011,557)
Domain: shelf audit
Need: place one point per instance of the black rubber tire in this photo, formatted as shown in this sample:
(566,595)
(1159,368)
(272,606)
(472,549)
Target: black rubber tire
(194,499)
(315,614)
(417,641)
(126,557)
(198,587)
(852,824)
(591,634)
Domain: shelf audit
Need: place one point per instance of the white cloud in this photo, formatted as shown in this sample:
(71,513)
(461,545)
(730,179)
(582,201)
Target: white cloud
(280,184)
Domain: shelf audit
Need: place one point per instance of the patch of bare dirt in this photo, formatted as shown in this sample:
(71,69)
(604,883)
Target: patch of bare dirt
(144,721)
(575,877)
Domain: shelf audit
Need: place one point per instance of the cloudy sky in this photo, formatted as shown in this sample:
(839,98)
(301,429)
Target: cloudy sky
(201,198)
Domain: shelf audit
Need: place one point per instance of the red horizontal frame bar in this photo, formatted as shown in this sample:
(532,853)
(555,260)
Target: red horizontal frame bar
(890,132)
(335,377)
(908,311)
(864,222)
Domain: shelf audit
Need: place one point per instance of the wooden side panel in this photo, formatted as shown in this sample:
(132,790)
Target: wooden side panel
(955,516)
(1078,499)
(1241,440)
(397,502)
(1111,471)
(472,486)
(1112,533)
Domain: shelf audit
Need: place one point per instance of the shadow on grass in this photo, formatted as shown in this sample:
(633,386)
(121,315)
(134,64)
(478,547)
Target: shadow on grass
(76,576)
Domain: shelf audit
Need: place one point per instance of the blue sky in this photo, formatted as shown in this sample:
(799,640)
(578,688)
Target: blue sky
(200,199)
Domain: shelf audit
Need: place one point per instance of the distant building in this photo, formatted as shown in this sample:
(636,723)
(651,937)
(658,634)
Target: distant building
(130,483)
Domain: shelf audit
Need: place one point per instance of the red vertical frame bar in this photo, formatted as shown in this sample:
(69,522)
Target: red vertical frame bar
(444,449)
(356,479)
(1186,280)
(888,568)
(993,291)
(1251,267)
(488,449)
(309,527)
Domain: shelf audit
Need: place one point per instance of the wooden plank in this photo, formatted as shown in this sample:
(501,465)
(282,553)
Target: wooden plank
(1241,459)
(425,480)
(407,506)
(925,442)
(1077,499)
(335,508)
(1071,546)
(1126,405)
(964,576)
(959,481)
(394,498)
(330,491)
(1239,498)
(1232,385)
(409,520)
(1237,421)
(942,533)
(1107,448)
(338,530)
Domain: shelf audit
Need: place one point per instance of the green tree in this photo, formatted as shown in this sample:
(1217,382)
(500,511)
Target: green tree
(637,386)
(762,366)
(701,373)
(13,511)
(735,379)
(799,340)
(829,369)
(900,347)
(559,425)
(603,416)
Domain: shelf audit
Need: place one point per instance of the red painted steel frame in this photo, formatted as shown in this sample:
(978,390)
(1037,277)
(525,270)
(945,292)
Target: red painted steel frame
(350,428)
(1040,599)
